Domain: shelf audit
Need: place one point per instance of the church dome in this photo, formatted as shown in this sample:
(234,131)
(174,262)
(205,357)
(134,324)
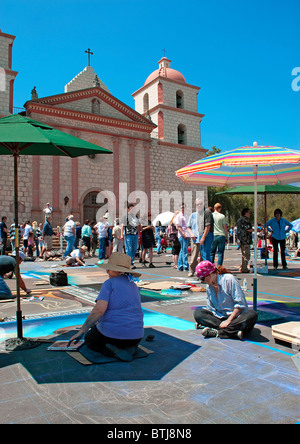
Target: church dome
(165,71)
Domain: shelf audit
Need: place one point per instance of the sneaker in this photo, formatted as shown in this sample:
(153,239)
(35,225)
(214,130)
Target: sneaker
(179,269)
(191,274)
(133,267)
(208,332)
(151,265)
(143,262)
(101,261)
(240,335)
(285,268)
(186,269)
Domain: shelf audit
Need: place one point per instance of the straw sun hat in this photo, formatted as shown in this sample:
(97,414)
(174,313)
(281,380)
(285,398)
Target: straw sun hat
(119,262)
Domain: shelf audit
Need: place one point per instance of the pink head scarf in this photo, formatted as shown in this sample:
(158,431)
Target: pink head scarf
(205,268)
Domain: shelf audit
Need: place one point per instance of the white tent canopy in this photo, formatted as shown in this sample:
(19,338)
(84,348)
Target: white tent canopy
(163,218)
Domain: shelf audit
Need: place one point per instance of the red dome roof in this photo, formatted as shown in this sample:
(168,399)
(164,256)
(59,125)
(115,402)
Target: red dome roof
(169,73)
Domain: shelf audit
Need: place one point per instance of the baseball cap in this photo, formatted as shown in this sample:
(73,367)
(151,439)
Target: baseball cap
(21,254)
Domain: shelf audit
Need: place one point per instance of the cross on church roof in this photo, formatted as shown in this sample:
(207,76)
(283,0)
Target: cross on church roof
(164,51)
(88,51)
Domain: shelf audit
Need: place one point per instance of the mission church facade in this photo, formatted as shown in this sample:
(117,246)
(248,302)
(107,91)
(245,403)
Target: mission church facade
(148,143)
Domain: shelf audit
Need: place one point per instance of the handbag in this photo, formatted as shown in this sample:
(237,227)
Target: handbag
(59,278)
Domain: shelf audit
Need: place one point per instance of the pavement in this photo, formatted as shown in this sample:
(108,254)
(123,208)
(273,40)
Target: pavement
(185,379)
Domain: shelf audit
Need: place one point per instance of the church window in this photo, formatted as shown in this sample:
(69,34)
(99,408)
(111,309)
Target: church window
(181,130)
(160,93)
(146,102)
(160,125)
(96,106)
(179,99)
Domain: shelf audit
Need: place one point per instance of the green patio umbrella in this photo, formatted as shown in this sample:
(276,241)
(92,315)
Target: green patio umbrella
(20,135)
(264,189)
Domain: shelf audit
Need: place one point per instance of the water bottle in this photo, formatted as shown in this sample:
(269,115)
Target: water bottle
(244,286)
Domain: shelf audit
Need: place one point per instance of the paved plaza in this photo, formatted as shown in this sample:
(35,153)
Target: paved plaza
(185,378)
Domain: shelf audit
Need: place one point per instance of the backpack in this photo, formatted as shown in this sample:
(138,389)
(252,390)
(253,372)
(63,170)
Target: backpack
(59,278)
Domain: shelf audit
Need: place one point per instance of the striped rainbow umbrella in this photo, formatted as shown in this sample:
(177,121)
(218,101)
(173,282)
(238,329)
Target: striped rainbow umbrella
(296,225)
(248,165)
(234,168)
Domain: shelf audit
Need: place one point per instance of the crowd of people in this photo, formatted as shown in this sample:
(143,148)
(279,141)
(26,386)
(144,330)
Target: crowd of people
(202,235)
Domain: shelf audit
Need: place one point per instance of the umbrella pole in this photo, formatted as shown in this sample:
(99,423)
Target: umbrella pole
(265,231)
(16,198)
(255,240)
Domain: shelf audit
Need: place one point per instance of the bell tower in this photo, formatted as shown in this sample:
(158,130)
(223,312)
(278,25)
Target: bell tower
(171,103)
(7,75)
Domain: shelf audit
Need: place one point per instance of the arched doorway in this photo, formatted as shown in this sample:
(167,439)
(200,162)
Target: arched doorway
(90,206)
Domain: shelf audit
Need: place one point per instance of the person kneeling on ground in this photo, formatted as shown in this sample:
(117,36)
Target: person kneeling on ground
(227,314)
(8,268)
(116,322)
(76,257)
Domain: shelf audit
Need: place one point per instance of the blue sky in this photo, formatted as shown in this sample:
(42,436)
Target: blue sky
(241,54)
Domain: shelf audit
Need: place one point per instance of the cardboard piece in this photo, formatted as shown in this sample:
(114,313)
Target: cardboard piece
(163,285)
(88,357)
(287,332)
(166,285)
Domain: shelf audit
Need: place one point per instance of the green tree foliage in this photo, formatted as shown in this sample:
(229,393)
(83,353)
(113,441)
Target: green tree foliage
(213,151)
(232,204)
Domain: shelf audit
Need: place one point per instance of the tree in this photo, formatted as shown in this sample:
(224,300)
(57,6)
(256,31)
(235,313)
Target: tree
(232,204)
(213,151)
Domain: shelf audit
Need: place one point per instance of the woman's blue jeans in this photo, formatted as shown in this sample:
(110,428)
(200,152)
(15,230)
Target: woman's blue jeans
(158,241)
(70,244)
(218,245)
(102,247)
(183,254)
(131,244)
